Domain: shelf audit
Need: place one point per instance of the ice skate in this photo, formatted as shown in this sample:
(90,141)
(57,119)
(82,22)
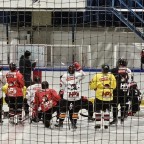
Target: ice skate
(114,122)
(1,121)
(59,124)
(73,125)
(91,119)
(106,127)
(97,127)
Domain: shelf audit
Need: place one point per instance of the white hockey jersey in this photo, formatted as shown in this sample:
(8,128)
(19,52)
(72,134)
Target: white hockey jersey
(129,72)
(2,82)
(70,84)
(30,94)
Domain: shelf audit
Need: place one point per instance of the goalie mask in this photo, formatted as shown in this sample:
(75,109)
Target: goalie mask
(122,62)
(12,66)
(71,69)
(105,68)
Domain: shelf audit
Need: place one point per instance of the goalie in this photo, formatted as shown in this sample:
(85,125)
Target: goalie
(103,83)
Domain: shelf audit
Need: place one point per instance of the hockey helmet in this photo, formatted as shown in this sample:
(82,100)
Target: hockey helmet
(105,68)
(27,53)
(45,85)
(71,69)
(12,66)
(122,62)
(1,68)
(37,79)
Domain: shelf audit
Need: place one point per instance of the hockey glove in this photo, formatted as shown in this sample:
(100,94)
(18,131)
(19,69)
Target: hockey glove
(61,92)
(77,66)
(35,116)
(84,98)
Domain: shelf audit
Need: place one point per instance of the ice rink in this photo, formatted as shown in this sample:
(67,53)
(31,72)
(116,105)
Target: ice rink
(131,132)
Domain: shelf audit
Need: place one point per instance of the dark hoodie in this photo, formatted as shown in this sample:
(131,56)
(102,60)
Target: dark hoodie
(25,67)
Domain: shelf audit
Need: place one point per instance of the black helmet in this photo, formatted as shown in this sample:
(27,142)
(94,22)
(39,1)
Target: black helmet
(45,85)
(105,68)
(122,62)
(27,53)
(1,68)
(37,79)
(12,66)
(71,69)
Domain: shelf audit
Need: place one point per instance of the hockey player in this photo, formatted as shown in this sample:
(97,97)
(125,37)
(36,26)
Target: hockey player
(142,58)
(47,99)
(2,82)
(30,94)
(123,76)
(4,90)
(14,92)
(135,98)
(70,85)
(103,83)
(85,103)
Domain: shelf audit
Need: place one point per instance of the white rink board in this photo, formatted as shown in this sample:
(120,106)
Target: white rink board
(42,4)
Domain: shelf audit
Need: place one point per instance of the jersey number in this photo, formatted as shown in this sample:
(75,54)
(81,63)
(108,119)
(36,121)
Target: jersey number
(73,94)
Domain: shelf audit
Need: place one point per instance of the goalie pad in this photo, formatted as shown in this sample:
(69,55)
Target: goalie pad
(77,66)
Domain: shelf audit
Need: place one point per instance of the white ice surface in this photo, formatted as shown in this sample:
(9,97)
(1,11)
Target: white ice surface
(131,132)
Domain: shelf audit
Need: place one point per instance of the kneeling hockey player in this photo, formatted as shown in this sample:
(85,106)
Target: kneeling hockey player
(47,99)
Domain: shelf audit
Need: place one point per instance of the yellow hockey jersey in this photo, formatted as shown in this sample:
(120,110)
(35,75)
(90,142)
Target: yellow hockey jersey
(103,84)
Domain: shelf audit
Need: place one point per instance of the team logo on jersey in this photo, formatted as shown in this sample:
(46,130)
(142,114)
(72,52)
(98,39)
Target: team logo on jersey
(104,78)
(70,78)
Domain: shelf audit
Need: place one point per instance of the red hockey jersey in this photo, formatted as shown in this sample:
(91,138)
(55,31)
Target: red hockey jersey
(15,82)
(46,99)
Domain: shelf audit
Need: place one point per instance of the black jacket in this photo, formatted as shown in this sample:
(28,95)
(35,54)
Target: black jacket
(25,68)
